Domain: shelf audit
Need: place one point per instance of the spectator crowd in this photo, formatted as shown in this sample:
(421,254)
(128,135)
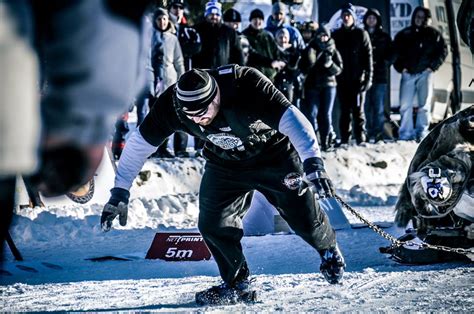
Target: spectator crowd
(312,65)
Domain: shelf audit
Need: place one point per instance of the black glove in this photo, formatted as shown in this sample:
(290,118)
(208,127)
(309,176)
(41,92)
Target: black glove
(117,206)
(316,174)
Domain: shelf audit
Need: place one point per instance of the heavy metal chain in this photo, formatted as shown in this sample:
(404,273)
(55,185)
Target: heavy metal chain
(397,243)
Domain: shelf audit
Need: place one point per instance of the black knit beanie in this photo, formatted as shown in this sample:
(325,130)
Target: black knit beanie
(195,90)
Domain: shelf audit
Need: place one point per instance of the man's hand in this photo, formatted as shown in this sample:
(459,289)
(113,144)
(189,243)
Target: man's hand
(117,206)
(316,174)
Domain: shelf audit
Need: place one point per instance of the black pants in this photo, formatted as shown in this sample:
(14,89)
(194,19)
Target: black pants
(7,204)
(352,104)
(225,197)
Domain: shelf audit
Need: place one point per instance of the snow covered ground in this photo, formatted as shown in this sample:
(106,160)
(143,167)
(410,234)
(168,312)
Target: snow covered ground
(56,241)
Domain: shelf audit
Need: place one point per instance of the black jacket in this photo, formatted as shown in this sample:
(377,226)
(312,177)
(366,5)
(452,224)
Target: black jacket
(220,45)
(382,49)
(356,51)
(419,48)
(321,62)
(245,129)
(263,51)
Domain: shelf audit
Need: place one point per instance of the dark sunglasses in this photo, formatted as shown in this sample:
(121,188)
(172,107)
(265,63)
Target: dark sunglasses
(177,6)
(196,114)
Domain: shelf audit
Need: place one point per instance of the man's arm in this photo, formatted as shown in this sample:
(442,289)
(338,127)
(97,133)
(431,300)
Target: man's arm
(440,51)
(301,134)
(134,155)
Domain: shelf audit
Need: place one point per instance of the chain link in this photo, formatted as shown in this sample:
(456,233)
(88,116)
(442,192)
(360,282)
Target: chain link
(397,243)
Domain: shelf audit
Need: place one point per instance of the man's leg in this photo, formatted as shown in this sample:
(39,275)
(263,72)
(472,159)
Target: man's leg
(302,213)
(424,88)
(345,99)
(407,93)
(7,203)
(358,116)
(379,116)
(308,107)
(369,108)
(224,198)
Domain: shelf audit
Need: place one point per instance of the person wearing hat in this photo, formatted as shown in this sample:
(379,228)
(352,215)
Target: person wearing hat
(264,54)
(233,19)
(255,140)
(420,51)
(168,64)
(353,43)
(382,57)
(321,62)
(278,20)
(287,77)
(220,43)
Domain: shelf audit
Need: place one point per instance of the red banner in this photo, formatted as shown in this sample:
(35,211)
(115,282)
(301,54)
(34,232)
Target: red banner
(178,246)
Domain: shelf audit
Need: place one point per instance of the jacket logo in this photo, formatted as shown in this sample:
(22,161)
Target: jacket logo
(225,141)
(292,180)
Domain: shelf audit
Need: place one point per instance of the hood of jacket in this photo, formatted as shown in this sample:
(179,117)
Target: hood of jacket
(320,45)
(377,15)
(427,16)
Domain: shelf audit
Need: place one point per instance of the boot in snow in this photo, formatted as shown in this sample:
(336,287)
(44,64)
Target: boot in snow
(225,294)
(332,265)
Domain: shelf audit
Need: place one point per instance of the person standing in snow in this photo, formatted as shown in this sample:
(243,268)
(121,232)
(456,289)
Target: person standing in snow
(353,43)
(255,139)
(382,55)
(168,64)
(420,51)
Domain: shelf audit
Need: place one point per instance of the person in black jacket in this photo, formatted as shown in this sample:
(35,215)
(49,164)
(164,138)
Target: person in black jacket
(220,43)
(381,54)
(321,62)
(420,51)
(264,54)
(255,140)
(354,45)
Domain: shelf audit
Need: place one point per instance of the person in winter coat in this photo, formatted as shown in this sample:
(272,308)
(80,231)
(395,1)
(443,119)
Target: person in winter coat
(287,77)
(382,58)
(255,140)
(321,62)
(233,19)
(354,45)
(188,37)
(220,43)
(420,50)
(167,63)
(264,54)
(166,56)
(278,20)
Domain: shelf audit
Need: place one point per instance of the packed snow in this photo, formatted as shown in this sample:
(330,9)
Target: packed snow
(56,242)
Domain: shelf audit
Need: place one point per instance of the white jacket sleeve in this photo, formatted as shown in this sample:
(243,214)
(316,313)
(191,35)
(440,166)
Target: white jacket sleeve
(134,155)
(300,132)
